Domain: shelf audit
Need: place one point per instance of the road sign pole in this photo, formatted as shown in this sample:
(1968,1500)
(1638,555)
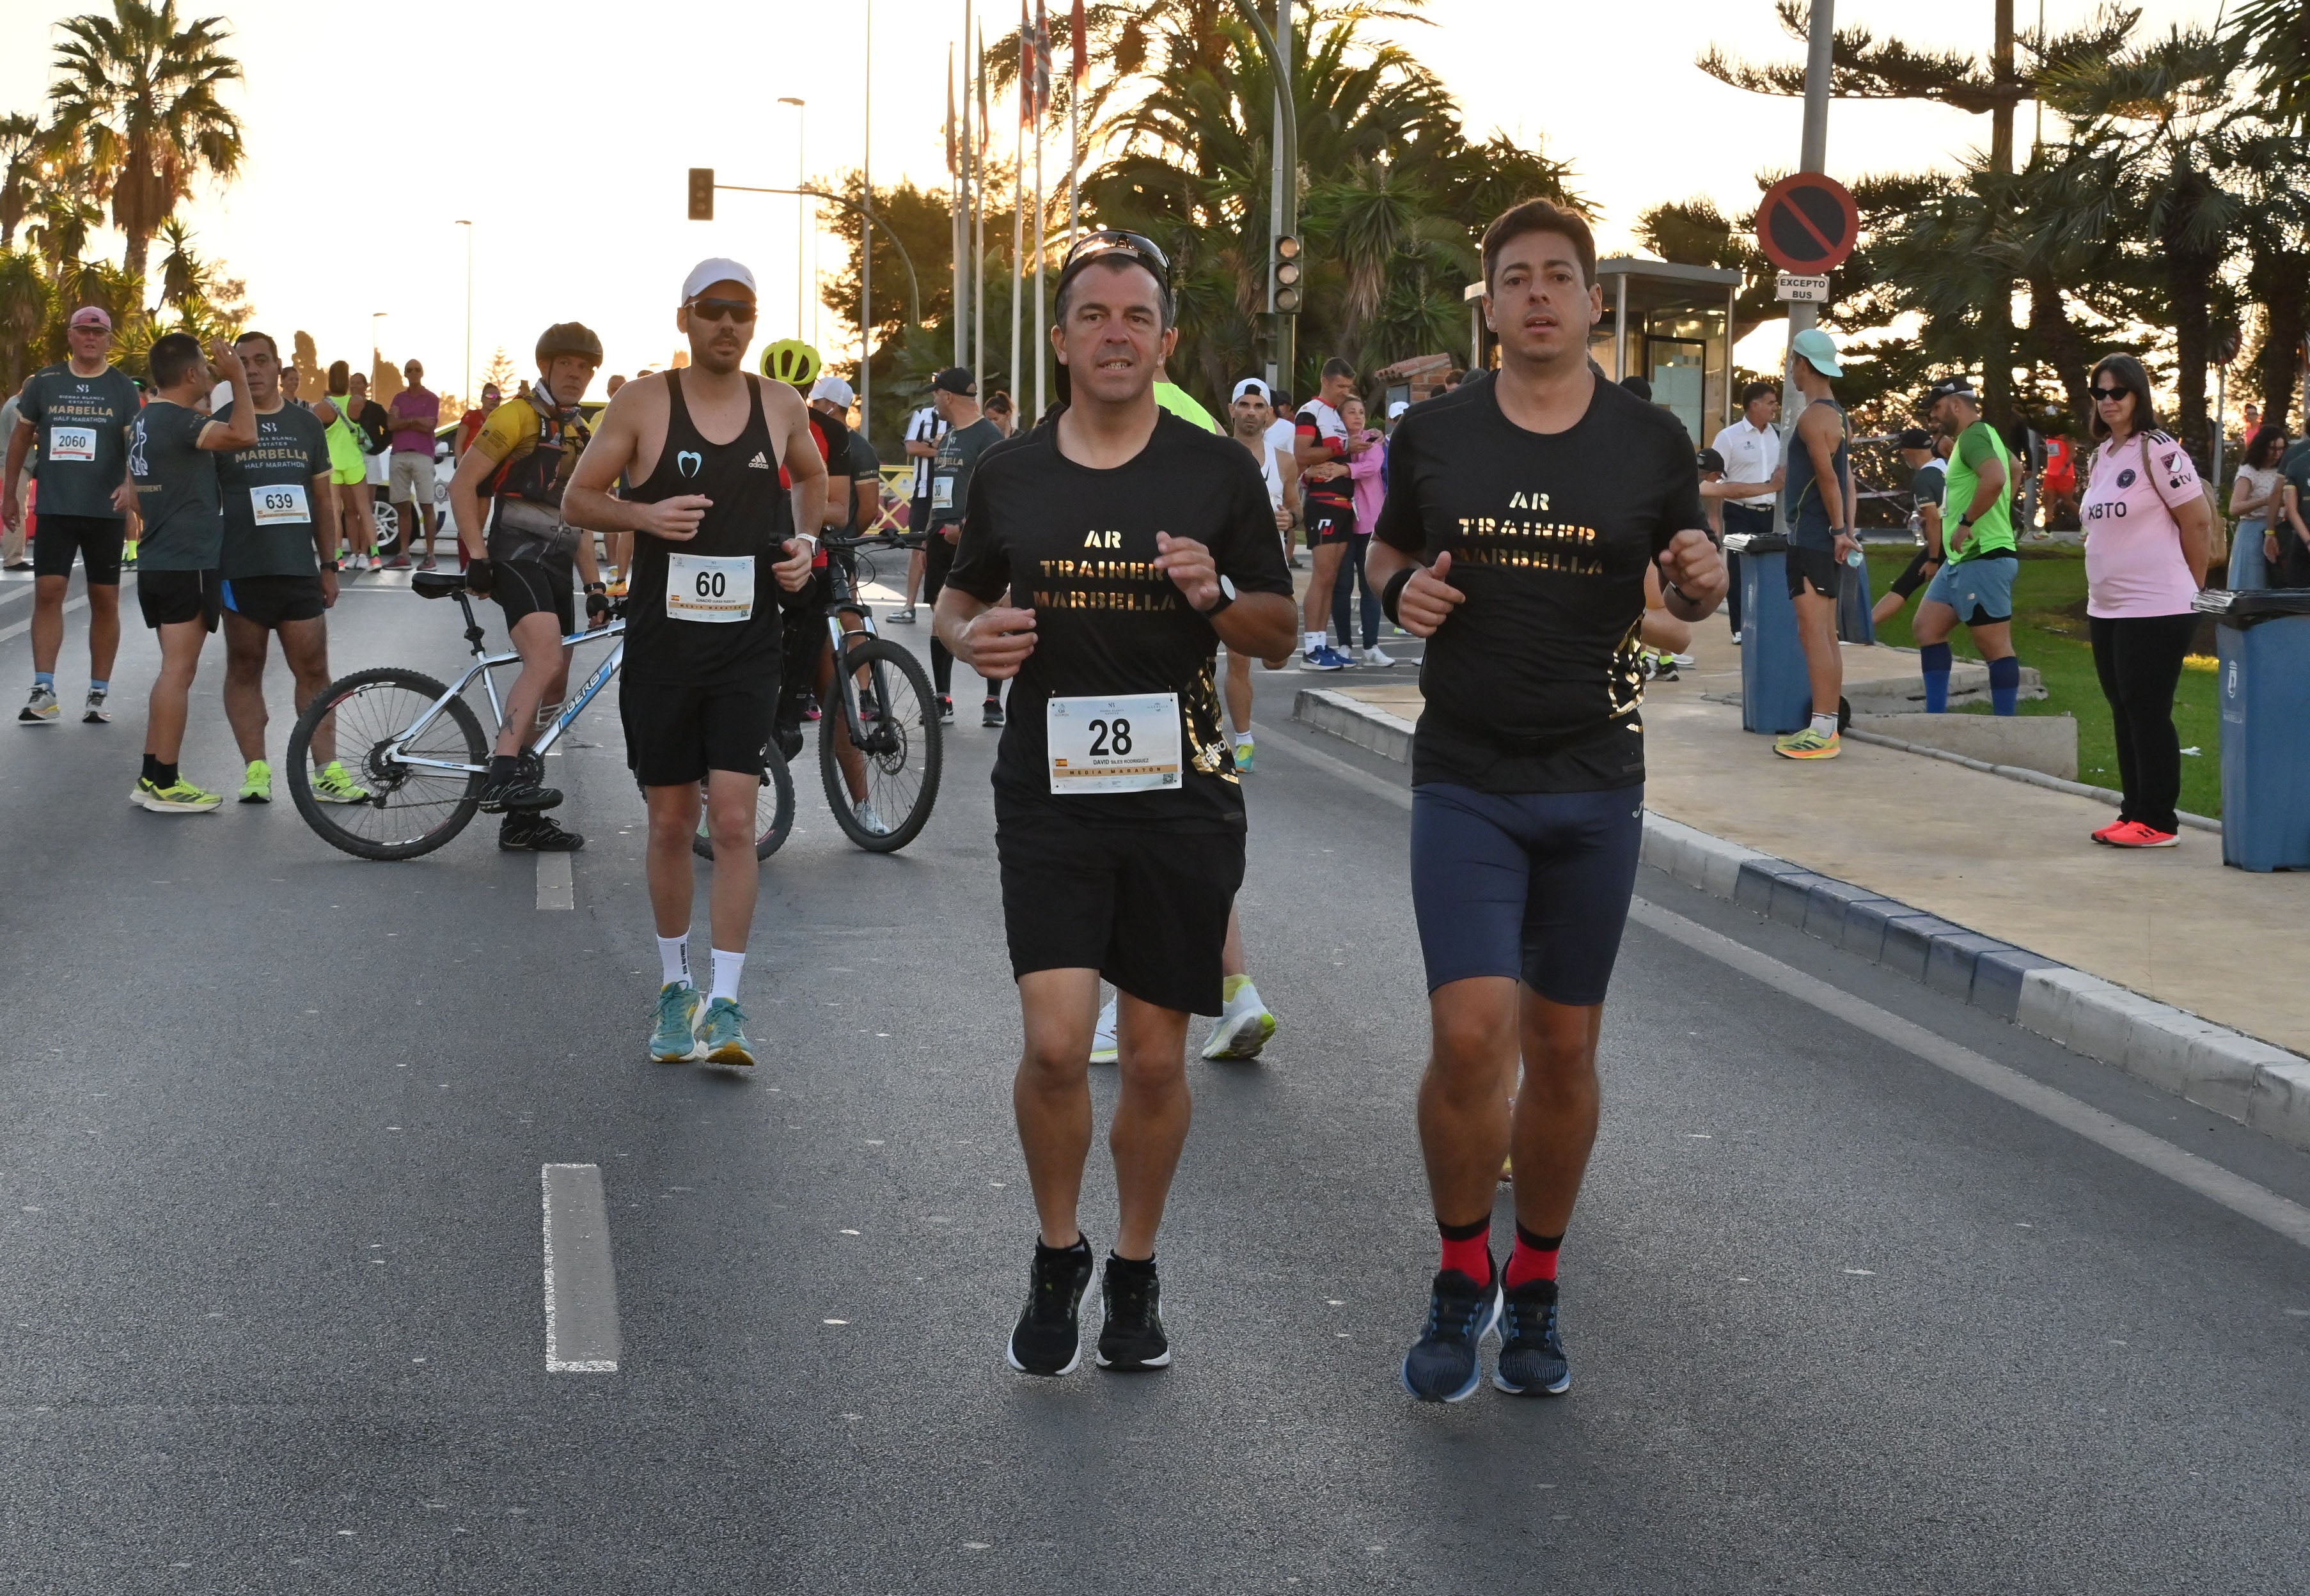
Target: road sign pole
(1812,157)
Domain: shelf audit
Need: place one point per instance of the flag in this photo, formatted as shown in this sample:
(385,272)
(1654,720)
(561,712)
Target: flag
(1078,31)
(1042,62)
(950,110)
(1025,68)
(982,121)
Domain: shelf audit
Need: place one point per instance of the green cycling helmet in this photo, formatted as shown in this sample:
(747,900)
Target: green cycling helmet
(792,361)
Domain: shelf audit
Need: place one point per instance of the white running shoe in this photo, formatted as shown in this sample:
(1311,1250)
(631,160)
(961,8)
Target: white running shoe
(40,709)
(1682,662)
(1103,1050)
(1378,658)
(1242,1027)
(873,824)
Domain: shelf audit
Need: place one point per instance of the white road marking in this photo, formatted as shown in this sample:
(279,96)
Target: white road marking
(128,580)
(556,887)
(581,1288)
(2234,1191)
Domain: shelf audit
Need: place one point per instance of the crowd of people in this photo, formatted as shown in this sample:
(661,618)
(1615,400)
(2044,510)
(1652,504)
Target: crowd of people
(1536,526)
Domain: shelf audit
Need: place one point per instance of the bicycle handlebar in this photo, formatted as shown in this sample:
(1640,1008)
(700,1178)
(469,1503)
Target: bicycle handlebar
(888,540)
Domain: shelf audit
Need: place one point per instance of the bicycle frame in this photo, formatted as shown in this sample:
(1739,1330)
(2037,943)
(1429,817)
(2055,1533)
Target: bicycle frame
(483,665)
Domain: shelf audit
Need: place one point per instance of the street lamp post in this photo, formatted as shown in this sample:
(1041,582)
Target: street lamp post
(800,111)
(469,311)
(866,242)
(376,344)
(1283,208)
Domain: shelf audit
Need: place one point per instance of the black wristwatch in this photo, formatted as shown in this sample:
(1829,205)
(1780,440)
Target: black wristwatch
(1964,523)
(1227,597)
(329,564)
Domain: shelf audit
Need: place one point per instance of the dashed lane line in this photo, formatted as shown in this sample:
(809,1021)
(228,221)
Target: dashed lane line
(556,887)
(581,1286)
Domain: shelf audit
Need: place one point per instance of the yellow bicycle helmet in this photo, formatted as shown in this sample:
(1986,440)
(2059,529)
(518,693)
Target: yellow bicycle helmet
(792,361)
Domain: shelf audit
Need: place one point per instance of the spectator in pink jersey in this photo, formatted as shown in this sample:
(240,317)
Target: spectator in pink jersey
(416,413)
(1367,489)
(2148,528)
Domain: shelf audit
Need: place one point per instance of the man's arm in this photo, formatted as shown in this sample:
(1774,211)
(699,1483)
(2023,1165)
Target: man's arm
(223,437)
(921,450)
(808,470)
(465,502)
(320,492)
(1928,515)
(993,641)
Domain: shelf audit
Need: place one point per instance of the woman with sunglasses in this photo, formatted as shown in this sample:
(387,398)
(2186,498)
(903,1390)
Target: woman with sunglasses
(2255,499)
(2148,528)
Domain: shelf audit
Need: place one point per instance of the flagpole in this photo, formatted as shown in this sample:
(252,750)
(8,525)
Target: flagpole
(954,208)
(979,220)
(1076,29)
(1042,342)
(1019,234)
(867,243)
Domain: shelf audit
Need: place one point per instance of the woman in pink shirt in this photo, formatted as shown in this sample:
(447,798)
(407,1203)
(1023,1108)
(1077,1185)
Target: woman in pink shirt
(2148,528)
(1364,471)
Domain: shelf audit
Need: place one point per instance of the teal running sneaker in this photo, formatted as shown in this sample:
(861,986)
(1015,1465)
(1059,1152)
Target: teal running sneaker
(675,1040)
(722,1038)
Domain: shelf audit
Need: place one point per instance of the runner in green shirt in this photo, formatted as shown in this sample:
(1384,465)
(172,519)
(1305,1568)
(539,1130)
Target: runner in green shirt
(1976,586)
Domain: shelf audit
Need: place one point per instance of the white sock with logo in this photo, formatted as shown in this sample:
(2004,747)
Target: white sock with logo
(726,966)
(1315,640)
(673,959)
(1825,724)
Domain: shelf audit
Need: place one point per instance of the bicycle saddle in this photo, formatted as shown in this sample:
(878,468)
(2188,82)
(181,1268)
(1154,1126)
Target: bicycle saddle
(434,584)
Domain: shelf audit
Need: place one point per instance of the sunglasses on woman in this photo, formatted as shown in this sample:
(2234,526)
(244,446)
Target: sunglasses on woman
(2110,395)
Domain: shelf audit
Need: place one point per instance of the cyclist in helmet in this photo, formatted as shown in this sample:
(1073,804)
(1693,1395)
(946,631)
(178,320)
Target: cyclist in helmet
(526,555)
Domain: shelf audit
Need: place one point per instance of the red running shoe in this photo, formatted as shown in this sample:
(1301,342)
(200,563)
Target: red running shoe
(2104,835)
(2134,834)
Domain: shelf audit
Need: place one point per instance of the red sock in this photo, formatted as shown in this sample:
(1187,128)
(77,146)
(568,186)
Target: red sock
(1468,1248)
(1532,1259)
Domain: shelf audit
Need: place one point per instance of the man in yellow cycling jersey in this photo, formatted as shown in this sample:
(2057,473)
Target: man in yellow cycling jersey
(520,462)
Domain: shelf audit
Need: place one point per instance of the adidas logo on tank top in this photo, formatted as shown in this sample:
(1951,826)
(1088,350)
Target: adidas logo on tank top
(760,462)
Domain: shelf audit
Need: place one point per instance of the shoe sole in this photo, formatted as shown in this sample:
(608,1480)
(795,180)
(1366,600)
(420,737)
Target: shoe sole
(729,1053)
(96,717)
(256,798)
(1499,1383)
(1824,753)
(38,720)
(1476,1375)
(321,797)
(1247,1039)
(141,802)
(1011,1356)
(1133,1365)
(2168,842)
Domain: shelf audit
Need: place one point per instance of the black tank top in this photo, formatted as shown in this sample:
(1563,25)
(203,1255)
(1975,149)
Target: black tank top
(748,519)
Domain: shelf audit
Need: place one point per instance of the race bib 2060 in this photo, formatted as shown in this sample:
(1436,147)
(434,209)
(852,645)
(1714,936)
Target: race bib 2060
(72,443)
(1113,745)
(700,587)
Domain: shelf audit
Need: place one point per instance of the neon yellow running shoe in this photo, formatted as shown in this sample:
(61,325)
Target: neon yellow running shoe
(256,786)
(1809,744)
(333,784)
(178,798)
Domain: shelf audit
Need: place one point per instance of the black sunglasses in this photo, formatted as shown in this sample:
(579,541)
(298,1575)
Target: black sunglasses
(2110,395)
(723,309)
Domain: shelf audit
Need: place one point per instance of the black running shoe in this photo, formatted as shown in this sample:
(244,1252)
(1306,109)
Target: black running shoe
(1532,1353)
(528,832)
(790,742)
(990,713)
(1048,1337)
(1442,1366)
(519,790)
(1131,1338)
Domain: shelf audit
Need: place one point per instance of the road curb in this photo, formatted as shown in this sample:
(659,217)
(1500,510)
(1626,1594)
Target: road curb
(2035,779)
(2224,1072)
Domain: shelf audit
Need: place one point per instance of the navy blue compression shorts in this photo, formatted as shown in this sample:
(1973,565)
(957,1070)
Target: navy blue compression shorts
(1532,886)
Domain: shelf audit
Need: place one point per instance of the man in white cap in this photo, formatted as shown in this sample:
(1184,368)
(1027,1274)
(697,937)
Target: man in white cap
(702,449)
(854,496)
(1251,417)
(78,412)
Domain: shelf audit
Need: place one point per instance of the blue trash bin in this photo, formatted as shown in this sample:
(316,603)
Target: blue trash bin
(2263,647)
(1775,688)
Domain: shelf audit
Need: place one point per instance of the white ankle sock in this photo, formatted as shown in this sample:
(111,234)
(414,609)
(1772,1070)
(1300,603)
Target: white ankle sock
(726,966)
(673,959)
(1313,640)
(1826,725)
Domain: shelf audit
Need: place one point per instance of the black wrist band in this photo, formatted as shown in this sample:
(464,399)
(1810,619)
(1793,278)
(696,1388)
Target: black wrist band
(1393,594)
(1679,592)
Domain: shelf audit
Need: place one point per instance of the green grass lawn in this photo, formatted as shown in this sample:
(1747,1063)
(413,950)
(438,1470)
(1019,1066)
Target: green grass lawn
(2049,634)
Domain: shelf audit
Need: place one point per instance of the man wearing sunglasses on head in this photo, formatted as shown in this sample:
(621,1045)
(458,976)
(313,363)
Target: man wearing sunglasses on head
(717,539)
(1104,557)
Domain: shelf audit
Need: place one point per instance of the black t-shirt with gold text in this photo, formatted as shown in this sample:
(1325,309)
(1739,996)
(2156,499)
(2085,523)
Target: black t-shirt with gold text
(1533,684)
(1077,546)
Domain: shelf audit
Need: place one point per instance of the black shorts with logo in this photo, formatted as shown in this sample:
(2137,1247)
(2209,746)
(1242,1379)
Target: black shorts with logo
(1329,523)
(96,539)
(172,598)
(1145,907)
(1819,567)
(269,601)
(527,587)
(676,734)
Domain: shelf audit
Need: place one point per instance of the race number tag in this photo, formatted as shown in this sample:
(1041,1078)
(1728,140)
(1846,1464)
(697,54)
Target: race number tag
(942,491)
(700,588)
(283,504)
(1113,745)
(72,443)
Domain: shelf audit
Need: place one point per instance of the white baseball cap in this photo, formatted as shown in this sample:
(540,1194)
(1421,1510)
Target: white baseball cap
(834,388)
(706,273)
(1398,408)
(1251,385)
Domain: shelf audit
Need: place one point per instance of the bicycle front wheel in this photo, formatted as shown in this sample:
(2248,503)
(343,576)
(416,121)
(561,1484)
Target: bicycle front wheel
(416,791)
(774,809)
(879,749)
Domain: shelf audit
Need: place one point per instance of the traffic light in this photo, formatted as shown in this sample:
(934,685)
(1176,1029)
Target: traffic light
(1285,271)
(702,194)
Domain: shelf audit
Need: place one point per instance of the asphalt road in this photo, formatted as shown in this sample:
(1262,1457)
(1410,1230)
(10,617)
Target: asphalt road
(272,1124)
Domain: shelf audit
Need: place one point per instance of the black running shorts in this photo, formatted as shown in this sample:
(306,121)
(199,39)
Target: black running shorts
(172,598)
(527,587)
(269,601)
(1146,907)
(95,539)
(1329,523)
(1818,567)
(676,734)
(1917,573)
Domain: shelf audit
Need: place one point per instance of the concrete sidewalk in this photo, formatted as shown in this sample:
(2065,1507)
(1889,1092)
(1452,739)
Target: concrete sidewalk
(2002,858)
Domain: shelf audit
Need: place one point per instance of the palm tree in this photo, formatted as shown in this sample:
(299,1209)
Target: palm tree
(63,218)
(19,142)
(138,93)
(27,306)
(2274,37)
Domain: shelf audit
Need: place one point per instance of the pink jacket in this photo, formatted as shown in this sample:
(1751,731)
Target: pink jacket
(1364,471)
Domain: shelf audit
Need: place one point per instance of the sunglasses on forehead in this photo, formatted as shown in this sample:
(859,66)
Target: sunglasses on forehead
(739,310)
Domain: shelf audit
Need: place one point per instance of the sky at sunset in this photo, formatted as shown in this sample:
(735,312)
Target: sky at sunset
(564,134)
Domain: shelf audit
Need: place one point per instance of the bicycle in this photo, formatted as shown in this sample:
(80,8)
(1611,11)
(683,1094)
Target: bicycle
(418,748)
(879,746)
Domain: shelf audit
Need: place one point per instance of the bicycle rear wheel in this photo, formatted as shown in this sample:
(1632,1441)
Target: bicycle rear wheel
(774,809)
(896,756)
(410,809)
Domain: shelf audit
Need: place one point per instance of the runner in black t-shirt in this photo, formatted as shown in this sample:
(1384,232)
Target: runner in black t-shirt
(968,436)
(1104,557)
(703,450)
(1521,516)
